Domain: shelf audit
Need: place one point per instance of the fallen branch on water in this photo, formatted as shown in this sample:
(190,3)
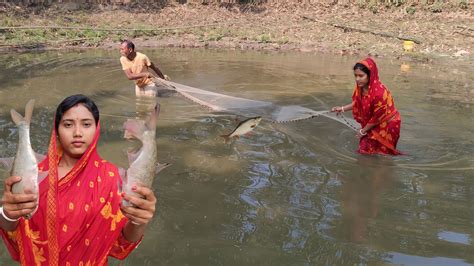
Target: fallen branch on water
(346,28)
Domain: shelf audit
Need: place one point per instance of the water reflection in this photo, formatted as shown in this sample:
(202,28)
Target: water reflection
(404,67)
(455,237)
(362,193)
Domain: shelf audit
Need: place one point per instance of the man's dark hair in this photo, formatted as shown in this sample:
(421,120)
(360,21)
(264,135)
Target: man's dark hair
(130,44)
(72,101)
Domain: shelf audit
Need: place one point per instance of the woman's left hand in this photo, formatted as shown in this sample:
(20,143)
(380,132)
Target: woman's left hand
(361,133)
(141,210)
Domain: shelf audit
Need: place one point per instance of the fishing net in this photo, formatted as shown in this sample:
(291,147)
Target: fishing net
(218,102)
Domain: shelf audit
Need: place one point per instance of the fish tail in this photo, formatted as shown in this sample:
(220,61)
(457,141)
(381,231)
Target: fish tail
(29,110)
(136,128)
(18,118)
(226,138)
(151,120)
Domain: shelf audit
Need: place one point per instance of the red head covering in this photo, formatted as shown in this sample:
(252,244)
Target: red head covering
(375,86)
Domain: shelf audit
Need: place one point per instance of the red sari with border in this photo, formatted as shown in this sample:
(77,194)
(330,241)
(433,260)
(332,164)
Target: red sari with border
(377,107)
(79,221)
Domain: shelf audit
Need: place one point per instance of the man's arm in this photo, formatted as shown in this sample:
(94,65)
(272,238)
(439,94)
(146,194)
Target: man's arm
(157,71)
(134,76)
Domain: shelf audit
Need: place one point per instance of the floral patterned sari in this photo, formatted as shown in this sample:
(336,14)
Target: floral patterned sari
(79,221)
(377,107)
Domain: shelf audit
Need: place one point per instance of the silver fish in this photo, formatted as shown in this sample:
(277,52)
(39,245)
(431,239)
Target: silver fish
(242,128)
(25,164)
(143,163)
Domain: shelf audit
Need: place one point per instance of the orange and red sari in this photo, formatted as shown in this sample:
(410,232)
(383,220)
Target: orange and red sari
(79,221)
(377,107)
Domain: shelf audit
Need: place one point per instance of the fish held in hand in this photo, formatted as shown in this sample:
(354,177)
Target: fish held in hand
(25,164)
(142,163)
(243,128)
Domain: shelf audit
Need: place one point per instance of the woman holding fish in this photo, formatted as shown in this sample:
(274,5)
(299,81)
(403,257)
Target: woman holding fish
(373,107)
(79,217)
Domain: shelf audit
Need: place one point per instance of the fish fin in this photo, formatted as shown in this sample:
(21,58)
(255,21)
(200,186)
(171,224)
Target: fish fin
(123,174)
(42,175)
(16,117)
(160,166)
(29,110)
(39,157)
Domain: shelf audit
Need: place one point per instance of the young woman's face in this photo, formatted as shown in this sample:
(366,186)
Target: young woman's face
(76,131)
(361,79)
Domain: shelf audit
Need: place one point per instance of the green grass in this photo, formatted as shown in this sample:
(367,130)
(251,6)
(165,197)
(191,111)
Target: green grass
(264,38)
(463,4)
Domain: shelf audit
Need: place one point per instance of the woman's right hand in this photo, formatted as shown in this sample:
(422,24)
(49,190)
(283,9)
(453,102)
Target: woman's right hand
(17,205)
(338,109)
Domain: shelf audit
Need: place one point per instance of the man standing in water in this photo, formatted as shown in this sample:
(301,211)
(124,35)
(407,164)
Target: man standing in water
(136,67)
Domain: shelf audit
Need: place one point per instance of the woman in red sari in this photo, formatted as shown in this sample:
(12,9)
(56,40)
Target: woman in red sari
(373,107)
(79,220)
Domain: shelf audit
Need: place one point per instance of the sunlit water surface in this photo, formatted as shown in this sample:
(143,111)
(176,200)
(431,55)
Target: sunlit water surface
(290,194)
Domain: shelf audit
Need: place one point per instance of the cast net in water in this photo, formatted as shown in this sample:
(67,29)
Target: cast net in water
(218,102)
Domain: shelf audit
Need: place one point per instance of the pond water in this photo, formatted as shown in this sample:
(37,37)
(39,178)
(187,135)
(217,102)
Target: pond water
(290,194)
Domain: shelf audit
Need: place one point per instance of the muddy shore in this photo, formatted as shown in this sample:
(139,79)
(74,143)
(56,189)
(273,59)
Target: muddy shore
(332,28)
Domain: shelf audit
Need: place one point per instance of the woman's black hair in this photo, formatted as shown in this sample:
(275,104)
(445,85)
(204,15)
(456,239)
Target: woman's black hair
(363,68)
(72,101)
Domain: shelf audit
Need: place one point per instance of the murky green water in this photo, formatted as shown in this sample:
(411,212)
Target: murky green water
(291,194)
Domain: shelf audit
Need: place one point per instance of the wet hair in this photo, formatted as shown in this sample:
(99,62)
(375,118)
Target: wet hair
(130,44)
(72,101)
(362,68)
